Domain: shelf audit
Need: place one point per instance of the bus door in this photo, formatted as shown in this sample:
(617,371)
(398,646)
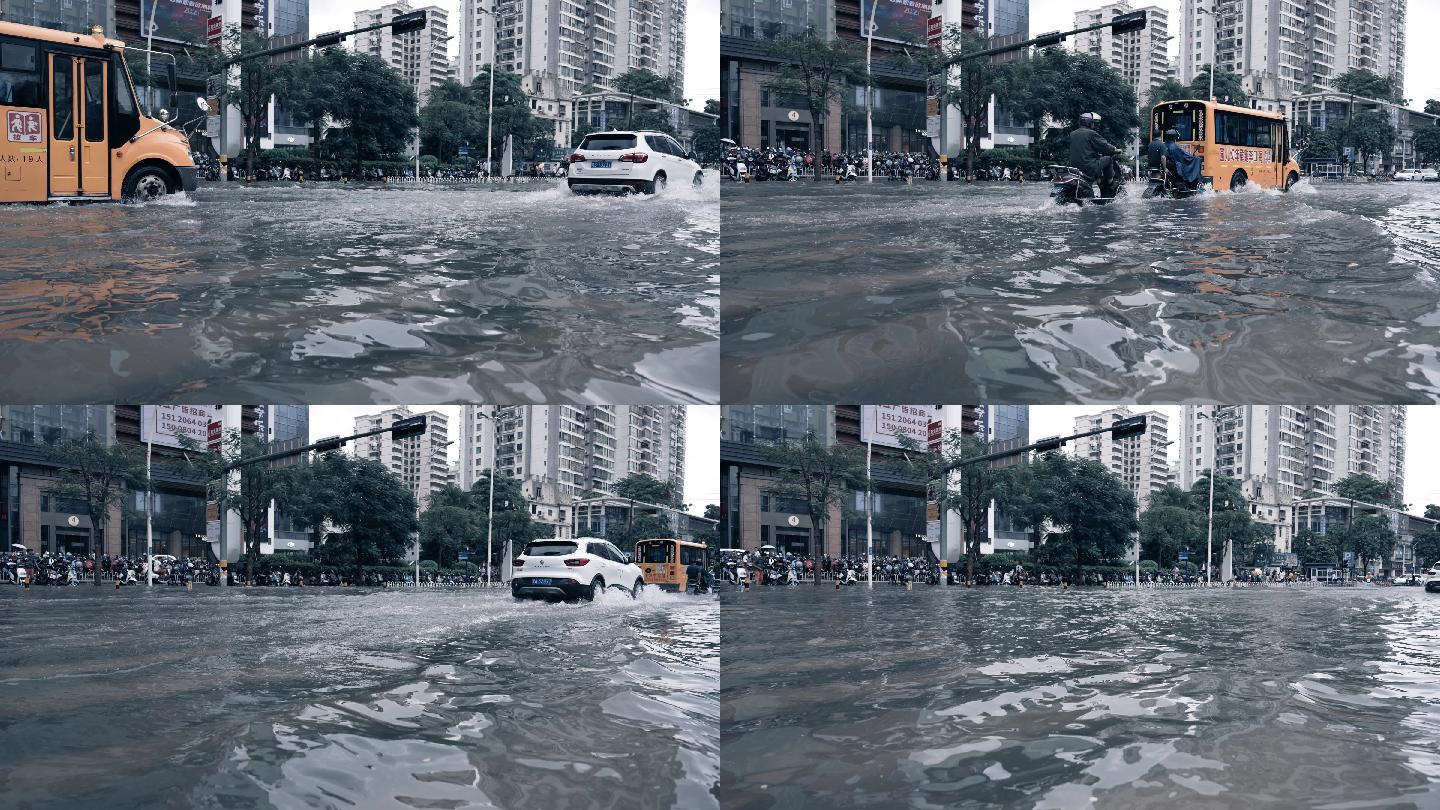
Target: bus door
(64,134)
(94,76)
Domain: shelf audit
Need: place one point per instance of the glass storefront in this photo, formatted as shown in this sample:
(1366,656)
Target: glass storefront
(898,524)
(895,108)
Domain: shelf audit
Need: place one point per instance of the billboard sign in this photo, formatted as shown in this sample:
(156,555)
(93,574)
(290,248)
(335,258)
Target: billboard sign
(897,20)
(165,424)
(934,32)
(885,424)
(214,31)
(180,20)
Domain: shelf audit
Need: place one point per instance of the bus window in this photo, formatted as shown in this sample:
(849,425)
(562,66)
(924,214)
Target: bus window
(657,553)
(20,75)
(689,554)
(94,101)
(1181,120)
(62,90)
(125,121)
(1235,129)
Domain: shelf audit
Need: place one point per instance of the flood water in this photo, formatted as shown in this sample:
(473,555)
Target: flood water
(231,698)
(325,292)
(1043,698)
(948,293)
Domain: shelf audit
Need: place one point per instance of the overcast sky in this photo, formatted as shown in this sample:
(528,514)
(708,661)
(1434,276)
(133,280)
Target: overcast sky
(1422,63)
(702,41)
(1422,432)
(702,441)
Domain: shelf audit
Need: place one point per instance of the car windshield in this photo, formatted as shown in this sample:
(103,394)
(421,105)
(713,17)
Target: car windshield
(608,142)
(549,548)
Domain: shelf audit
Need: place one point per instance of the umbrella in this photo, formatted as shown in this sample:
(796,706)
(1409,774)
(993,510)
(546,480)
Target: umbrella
(19,546)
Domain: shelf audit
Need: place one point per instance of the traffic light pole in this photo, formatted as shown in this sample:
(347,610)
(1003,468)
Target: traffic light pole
(405,428)
(403,24)
(1123,24)
(1134,426)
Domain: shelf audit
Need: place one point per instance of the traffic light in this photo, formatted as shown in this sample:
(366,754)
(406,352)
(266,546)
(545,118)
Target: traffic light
(327,445)
(333,38)
(415,20)
(405,428)
(1125,428)
(1049,40)
(1125,23)
(1049,445)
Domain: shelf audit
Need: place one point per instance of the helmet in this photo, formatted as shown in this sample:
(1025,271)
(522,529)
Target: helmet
(1089,118)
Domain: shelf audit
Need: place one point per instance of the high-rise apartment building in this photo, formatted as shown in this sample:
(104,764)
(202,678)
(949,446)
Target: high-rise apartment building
(420,461)
(580,449)
(1283,48)
(62,15)
(1142,57)
(1139,461)
(1281,453)
(422,57)
(573,45)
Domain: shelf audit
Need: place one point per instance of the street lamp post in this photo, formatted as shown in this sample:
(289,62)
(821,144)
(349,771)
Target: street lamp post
(870,97)
(869,518)
(1210,511)
(490,113)
(1215,46)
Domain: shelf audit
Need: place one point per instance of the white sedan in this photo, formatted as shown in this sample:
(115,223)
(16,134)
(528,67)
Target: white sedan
(631,161)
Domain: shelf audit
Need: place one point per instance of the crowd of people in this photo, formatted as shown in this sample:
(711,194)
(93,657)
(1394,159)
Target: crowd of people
(788,164)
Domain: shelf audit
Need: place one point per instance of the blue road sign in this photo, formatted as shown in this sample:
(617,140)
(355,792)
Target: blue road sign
(1184,556)
(464,151)
(464,555)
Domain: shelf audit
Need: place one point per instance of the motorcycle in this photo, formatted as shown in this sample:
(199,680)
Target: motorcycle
(1159,183)
(1072,186)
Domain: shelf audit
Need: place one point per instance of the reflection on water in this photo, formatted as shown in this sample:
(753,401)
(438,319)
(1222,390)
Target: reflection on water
(1044,698)
(326,292)
(1327,293)
(322,698)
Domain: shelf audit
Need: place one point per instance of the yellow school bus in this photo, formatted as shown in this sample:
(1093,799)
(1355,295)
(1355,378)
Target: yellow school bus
(665,559)
(73,127)
(1238,145)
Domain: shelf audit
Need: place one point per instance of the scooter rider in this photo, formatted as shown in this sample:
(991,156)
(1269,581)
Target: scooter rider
(1182,164)
(1092,154)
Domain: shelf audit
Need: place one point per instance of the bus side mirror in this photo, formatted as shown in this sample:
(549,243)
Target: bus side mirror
(170,77)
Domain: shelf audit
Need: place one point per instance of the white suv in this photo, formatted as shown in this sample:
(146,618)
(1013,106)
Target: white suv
(573,569)
(640,161)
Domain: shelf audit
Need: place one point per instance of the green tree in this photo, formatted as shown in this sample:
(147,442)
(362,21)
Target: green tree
(248,492)
(249,88)
(512,113)
(448,526)
(712,106)
(1426,548)
(653,119)
(1427,145)
(1322,146)
(1169,90)
(816,69)
(1093,86)
(1315,549)
(512,524)
(370,508)
(818,476)
(1169,524)
(1371,134)
(1231,520)
(312,88)
(1432,106)
(1228,88)
(1092,509)
(641,83)
(95,475)
(1031,86)
(980,80)
(1364,489)
(449,120)
(645,489)
(979,486)
(375,111)
(709,535)
(1372,539)
(1363,83)
(705,141)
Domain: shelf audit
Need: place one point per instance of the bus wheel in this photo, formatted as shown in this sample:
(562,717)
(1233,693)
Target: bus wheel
(1290,180)
(1238,180)
(145,184)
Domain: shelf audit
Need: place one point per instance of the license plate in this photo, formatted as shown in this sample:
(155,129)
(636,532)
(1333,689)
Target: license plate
(542,581)
(599,164)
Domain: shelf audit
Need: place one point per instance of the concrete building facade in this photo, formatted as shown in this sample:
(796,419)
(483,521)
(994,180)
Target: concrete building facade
(1141,462)
(1142,57)
(420,461)
(422,57)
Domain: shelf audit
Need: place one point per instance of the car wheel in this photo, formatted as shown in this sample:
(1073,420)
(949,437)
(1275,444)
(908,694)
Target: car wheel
(596,586)
(635,591)
(145,184)
(699,180)
(1238,180)
(1290,180)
